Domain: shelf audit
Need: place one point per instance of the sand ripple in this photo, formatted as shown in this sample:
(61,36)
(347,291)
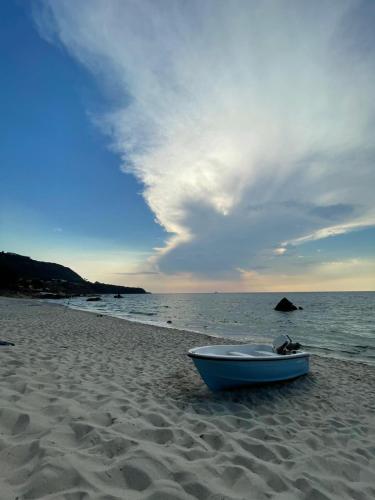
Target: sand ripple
(99,408)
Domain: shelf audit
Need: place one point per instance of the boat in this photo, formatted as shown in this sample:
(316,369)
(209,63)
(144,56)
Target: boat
(230,366)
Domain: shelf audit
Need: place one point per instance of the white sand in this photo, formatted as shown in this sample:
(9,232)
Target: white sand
(97,407)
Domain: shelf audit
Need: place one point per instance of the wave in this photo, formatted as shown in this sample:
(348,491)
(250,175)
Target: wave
(142,313)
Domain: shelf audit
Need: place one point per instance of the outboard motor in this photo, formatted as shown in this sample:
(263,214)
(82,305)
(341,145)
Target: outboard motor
(284,345)
(292,347)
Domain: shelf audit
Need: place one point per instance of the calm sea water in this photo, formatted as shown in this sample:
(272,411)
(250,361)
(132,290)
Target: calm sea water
(341,325)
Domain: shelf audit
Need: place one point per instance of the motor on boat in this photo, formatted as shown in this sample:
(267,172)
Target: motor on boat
(229,366)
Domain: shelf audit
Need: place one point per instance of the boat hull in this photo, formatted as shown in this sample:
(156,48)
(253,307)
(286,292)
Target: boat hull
(221,374)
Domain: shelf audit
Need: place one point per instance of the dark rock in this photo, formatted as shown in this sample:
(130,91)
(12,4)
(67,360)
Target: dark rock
(117,296)
(169,321)
(300,308)
(285,305)
(93,299)
(5,342)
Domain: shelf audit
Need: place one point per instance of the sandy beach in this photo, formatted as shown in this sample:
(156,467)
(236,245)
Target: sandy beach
(94,407)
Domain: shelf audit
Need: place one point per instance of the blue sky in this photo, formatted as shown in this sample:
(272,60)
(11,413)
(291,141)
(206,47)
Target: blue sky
(62,190)
(188,146)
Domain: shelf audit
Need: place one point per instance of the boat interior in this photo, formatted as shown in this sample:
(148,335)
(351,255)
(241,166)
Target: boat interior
(279,349)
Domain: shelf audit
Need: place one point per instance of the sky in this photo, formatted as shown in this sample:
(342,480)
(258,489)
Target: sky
(191,146)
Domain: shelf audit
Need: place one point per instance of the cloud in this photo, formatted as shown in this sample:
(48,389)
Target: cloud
(335,275)
(279,251)
(328,231)
(350,274)
(137,273)
(250,124)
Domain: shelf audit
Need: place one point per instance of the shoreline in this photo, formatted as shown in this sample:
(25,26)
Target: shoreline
(145,322)
(193,333)
(106,408)
(234,339)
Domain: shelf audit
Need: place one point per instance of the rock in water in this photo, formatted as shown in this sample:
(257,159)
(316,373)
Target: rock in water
(93,299)
(285,305)
(5,342)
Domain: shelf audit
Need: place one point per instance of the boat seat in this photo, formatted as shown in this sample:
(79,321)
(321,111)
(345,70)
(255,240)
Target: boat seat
(250,355)
(236,353)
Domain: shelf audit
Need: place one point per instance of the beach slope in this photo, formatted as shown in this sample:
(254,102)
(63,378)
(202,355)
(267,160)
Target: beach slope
(94,407)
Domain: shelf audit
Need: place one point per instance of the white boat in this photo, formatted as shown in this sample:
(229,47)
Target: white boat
(229,366)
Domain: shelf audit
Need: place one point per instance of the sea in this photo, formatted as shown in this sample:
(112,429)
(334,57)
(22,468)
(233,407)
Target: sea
(338,325)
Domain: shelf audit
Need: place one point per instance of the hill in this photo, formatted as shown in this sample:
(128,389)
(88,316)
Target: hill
(16,266)
(22,275)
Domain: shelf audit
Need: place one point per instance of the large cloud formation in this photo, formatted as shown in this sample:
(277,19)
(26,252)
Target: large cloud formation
(250,123)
